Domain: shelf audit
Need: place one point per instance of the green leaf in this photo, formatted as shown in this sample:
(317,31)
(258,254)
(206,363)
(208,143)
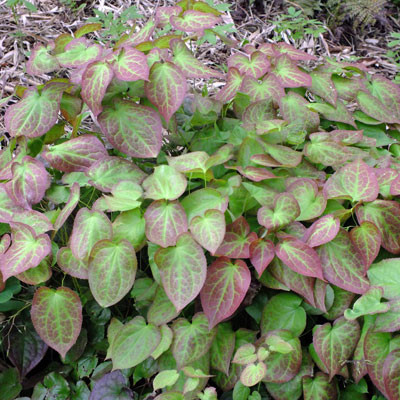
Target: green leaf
(9,384)
(222,348)
(130,225)
(253,374)
(41,61)
(287,73)
(57,317)
(240,391)
(191,340)
(165,183)
(255,65)
(134,343)
(320,387)
(386,274)
(72,265)
(112,270)
(78,52)
(284,311)
(165,343)
(245,354)
(161,310)
(165,378)
(182,269)
(368,304)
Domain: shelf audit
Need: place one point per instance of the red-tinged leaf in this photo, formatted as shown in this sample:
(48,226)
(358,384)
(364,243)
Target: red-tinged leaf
(191,340)
(355,181)
(130,65)
(161,310)
(36,113)
(105,172)
(70,107)
(285,209)
(70,205)
(222,348)
(166,88)
(112,271)
(294,109)
(95,80)
(323,87)
(255,65)
(262,253)
(237,240)
(183,269)
(337,113)
(335,344)
(395,187)
(283,367)
(327,152)
(257,115)
(72,265)
(300,284)
(293,53)
(57,317)
(89,227)
(166,183)
(27,250)
(311,201)
(267,89)
(5,242)
(76,154)
(41,61)
(8,209)
(78,53)
(341,301)
(87,28)
(253,373)
(371,106)
(385,215)
(233,83)
(134,129)
(390,320)
(342,265)
(165,221)
(391,373)
(111,385)
(209,230)
(367,239)
(286,156)
(189,162)
(288,75)
(26,350)
(299,257)
(188,64)
(322,231)
(225,287)
(29,182)
(194,21)
(387,92)
(255,174)
(377,347)
(346,88)
(319,387)
(134,343)
(163,14)
(295,229)
(143,35)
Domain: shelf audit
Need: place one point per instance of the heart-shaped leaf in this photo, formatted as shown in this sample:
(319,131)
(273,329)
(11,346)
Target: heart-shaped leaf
(224,290)
(72,265)
(76,154)
(194,21)
(390,320)
(285,209)
(165,221)
(111,385)
(134,343)
(161,310)
(323,230)
(41,61)
(355,181)
(233,83)
(222,348)
(342,265)
(262,253)
(78,53)
(267,89)
(191,340)
(371,106)
(64,306)
(134,129)
(367,239)
(89,227)
(300,257)
(36,113)
(29,182)
(386,274)
(287,73)
(166,88)
(387,92)
(130,65)
(209,230)
(253,374)
(320,387)
(112,264)
(183,270)
(335,344)
(256,65)
(165,183)
(27,250)
(385,214)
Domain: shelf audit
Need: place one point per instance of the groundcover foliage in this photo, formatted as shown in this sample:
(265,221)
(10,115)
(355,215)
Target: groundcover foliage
(236,242)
